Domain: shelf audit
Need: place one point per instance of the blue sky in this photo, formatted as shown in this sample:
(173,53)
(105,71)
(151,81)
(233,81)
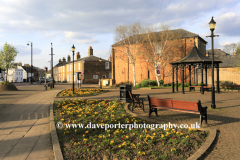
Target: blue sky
(92,23)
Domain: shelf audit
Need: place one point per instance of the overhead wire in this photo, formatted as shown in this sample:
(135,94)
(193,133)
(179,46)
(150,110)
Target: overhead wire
(160,10)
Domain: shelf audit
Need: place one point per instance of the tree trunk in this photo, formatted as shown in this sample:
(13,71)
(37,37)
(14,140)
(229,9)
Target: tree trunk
(157,77)
(7,74)
(134,75)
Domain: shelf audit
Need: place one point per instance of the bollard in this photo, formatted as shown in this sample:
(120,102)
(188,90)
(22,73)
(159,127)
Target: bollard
(46,87)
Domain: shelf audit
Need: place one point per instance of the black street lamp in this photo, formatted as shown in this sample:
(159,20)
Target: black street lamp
(73,49)
(100,73)
(212,25)
(31,61)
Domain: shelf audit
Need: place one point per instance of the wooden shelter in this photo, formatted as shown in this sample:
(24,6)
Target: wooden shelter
(196,59)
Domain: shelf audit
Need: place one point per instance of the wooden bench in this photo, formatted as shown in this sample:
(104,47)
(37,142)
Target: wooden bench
(205,88)
(180,106)
(136,101)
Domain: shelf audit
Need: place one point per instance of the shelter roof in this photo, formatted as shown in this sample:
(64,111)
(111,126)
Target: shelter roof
(195,56)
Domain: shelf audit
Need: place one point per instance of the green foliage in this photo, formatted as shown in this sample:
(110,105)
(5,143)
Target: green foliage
(161,82)
(5,82)
(7,57)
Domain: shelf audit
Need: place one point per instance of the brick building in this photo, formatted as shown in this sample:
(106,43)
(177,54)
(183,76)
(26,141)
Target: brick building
(88,68)
(122,71)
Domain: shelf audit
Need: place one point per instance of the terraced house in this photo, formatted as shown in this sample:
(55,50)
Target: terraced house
(88,70)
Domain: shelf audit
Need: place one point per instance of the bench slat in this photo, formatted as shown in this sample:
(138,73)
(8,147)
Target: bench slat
(185,105)
(161,102)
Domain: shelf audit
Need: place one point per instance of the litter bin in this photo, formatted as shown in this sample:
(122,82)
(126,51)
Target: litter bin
(124,94)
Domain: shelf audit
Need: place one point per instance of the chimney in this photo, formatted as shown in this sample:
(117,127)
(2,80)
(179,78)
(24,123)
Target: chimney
(20,64)
(110,58)
(78,55)
(68,58)
(90,51)
(60,60)
(64,60)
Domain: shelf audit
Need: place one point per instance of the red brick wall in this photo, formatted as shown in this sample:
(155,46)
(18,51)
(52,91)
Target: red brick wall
(123,73)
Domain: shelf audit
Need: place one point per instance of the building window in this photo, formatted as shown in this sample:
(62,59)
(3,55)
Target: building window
(79,66)
(106,65)
(110,75)
(70,67)
(158,48)
(190,40)
(95,76)
(63,68)
(104,76)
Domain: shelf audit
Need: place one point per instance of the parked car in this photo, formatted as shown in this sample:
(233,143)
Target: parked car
(42,80)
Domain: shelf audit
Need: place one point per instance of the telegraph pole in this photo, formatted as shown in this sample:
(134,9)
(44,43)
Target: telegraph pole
(52,78)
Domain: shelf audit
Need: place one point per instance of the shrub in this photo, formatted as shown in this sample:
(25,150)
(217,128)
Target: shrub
(186,84)
(153,83)
(144,83)
(165,85)
(161,82)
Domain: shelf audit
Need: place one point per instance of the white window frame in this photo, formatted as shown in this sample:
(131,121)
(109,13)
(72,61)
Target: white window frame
(95,76)
(79,66)
(70,67)
(67,68)
(106,65)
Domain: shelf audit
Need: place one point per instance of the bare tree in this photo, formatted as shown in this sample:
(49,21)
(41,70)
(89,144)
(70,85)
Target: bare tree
(129,37)
(231,48)
(160,47)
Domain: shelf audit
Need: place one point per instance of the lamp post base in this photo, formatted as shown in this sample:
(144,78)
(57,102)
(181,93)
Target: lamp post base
(213,106)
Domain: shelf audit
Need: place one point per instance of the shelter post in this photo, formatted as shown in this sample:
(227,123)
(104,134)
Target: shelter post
(172,78)
(202,78)
(177,78)
(183,79)
(206,74)
(218,89)
(190,76)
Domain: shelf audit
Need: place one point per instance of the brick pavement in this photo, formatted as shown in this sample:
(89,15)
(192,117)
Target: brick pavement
(24,123)
(226,118)
(24,120)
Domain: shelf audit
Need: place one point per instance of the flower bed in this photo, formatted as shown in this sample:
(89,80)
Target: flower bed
(90,143)
(7,86)
(80,92)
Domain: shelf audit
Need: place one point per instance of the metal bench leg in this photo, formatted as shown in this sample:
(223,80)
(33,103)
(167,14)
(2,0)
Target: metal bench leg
(155,110)
(150,111)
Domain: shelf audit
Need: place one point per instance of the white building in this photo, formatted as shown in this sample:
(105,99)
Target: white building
(15,75)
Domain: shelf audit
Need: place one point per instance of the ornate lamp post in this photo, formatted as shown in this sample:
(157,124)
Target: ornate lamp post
(73,50)
(31,62)
(100,73)
(212,25)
